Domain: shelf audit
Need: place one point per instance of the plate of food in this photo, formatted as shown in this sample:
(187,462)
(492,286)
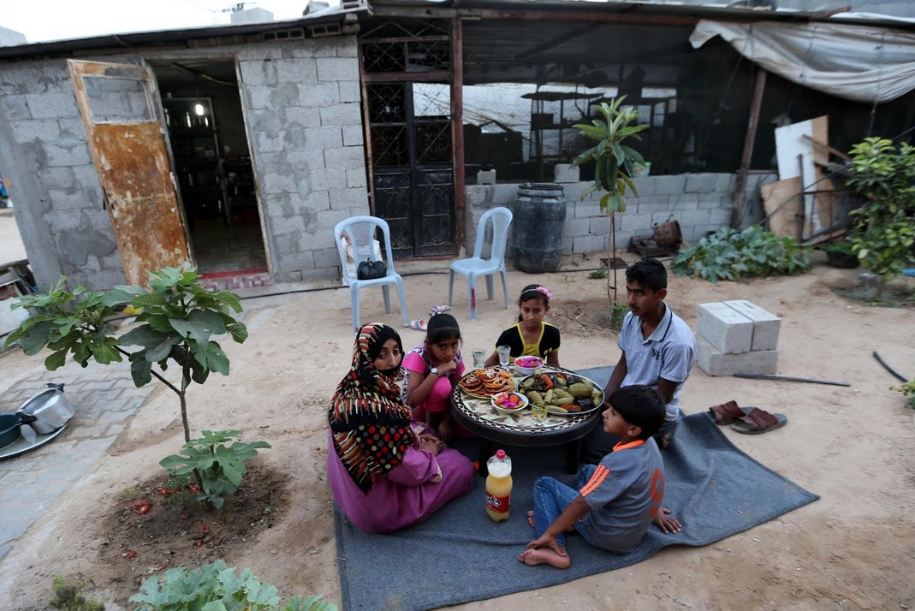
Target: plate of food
(509,402)
(564,394)
(486,382)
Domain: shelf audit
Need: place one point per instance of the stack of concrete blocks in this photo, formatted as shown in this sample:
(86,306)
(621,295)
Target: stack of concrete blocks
(737,337)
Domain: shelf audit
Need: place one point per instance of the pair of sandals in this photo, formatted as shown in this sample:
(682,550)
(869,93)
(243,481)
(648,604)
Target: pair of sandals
(746,420)
(420,323)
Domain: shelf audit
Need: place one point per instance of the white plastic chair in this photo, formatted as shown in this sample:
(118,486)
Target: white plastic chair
(360,232)
(476,266)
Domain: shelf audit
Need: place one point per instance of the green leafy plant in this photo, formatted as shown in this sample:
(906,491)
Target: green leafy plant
(597,274)
(220,466)
(883,228)
(731,254)
(618,312)
(614,165)
(217,587)
(178,319)
(908,391)
(68,597)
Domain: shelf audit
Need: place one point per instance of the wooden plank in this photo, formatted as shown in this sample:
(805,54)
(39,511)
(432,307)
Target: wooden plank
(457,128)
(749,141)
(782,203)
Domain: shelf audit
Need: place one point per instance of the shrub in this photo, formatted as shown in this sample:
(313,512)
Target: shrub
(908,391)
(216,586)
(618,313)
(731,254)
(221,467)
(883,228)
(68,597)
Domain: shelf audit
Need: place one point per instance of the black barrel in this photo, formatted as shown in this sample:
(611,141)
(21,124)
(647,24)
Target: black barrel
(539,215)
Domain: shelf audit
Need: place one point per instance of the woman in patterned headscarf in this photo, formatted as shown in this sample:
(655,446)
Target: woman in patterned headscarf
(385,471)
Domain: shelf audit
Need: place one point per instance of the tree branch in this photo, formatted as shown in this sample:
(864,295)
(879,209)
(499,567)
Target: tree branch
(151,371)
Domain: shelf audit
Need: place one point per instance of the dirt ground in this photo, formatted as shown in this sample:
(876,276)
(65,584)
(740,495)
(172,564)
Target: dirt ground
(853,549)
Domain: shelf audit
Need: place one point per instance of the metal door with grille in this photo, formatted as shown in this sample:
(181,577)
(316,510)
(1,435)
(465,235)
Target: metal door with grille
(408,110)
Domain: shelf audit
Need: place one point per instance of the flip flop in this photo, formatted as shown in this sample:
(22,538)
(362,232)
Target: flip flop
(439,309)
(419,324)
(726,413)
(759,421)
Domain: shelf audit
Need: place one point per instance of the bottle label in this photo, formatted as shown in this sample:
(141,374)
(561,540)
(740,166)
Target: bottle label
(498,504)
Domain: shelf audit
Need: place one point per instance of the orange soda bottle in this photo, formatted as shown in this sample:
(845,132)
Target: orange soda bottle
(499,486)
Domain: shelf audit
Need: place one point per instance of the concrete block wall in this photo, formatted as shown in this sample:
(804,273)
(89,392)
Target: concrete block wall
(301,104)
(699,202)
(44,153)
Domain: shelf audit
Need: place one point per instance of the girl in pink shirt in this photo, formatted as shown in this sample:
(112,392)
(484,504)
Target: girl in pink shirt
(431,372)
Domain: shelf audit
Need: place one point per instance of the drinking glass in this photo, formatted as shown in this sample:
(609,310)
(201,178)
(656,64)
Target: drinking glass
(479,359)
(505,353)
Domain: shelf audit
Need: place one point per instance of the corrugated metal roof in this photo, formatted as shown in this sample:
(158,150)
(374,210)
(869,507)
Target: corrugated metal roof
(272,30)
(699,9)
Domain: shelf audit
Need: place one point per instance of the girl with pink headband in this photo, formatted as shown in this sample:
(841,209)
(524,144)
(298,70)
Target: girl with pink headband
(532,335)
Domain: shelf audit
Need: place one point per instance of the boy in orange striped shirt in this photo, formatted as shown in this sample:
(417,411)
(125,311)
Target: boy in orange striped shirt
(617,499)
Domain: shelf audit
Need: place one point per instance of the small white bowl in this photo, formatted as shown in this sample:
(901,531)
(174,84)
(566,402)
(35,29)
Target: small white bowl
(526,370)
(510,410)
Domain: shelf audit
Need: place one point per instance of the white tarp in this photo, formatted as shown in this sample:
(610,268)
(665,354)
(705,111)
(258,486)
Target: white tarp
(860,63)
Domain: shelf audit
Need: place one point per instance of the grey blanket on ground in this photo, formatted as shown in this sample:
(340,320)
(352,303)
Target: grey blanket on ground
(459,555)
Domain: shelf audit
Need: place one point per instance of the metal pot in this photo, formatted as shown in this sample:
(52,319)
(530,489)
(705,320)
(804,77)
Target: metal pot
(9,427)
(50,408)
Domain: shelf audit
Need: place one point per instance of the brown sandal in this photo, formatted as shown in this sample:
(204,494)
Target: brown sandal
(759,421)
(729,412)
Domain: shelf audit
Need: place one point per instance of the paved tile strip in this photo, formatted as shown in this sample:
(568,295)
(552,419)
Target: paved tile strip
(104,398)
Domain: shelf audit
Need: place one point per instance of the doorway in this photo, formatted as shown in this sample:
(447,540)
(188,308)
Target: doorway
(212,164)
(406,90)
(412,165)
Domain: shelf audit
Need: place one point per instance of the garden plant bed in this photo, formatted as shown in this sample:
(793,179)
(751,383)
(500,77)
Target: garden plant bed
(177,530)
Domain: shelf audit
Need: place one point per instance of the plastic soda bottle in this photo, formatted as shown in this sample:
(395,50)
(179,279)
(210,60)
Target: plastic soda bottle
(499,486)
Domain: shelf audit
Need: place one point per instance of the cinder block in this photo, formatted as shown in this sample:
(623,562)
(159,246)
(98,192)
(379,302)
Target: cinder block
(318,94)
(486,177)
(341,114)
(338,69)
(670,185)
(297,70)
(724,328)
(715,363)
(701,183)
(565,173)
(349,91)
(589,243)
(765,324)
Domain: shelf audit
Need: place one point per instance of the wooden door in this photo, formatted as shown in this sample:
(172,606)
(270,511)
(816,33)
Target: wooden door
(127,143)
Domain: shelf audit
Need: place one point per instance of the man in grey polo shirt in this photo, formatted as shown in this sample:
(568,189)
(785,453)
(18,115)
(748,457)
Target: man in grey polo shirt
(659,350)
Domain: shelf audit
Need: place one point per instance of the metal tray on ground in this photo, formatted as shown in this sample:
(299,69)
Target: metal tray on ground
(22,445)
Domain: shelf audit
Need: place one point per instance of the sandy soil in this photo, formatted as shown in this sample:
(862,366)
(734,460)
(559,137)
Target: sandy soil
(853,549)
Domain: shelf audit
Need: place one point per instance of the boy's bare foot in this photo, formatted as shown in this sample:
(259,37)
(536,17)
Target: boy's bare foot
(544,555)
(530,518)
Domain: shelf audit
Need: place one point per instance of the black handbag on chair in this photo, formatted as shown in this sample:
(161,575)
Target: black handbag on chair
(370,270)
